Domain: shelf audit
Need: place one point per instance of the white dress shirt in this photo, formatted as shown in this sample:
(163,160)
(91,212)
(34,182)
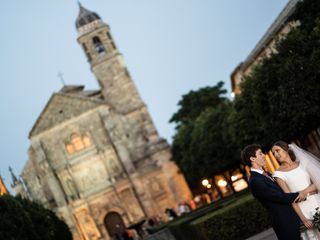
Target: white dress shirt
(257,170)
(261,172)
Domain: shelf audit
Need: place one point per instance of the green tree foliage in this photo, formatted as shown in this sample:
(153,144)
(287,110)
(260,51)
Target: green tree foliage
(195,102)
(203,144)
(281,98)
(25,220)
(212,146)
(181,153)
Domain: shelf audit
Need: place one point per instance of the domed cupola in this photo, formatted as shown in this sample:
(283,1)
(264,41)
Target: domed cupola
(85,17)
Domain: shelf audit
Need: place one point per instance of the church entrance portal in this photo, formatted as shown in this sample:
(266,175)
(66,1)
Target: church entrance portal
(114,224)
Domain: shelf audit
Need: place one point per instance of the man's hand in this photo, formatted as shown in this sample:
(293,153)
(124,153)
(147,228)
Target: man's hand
(302,196)
(297,199)
(311,189)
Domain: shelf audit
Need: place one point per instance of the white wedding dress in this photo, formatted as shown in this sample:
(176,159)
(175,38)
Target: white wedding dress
(297,180)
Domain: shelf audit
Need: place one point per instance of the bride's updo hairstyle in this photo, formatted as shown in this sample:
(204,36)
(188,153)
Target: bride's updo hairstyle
(285,147)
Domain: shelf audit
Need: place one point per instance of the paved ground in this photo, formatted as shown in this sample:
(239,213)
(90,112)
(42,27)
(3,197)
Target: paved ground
(266,235)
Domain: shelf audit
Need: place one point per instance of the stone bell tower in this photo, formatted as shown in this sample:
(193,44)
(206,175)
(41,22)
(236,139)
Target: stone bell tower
(109,68)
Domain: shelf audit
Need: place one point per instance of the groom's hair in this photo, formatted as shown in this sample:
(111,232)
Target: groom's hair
(248,152)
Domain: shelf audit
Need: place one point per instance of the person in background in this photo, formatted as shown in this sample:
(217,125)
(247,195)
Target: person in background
(170,213)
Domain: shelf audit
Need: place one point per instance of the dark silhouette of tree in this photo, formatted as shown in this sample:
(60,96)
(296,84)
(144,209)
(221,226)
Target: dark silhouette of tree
(203,144)
(194,103)
(25,220)
(280,99)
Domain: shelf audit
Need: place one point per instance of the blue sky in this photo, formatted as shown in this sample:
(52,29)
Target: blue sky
(170,48)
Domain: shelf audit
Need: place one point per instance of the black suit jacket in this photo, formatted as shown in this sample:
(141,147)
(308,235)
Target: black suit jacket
(285,221)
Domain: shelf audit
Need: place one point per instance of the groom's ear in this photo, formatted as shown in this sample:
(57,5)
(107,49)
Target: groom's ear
(252,159)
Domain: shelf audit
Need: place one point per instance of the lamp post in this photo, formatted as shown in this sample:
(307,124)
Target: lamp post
(206,183)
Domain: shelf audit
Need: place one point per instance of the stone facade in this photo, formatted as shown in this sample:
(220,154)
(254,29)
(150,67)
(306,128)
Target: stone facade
(266,46)
(96,158)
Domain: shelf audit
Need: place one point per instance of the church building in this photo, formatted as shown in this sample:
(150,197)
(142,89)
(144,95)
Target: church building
(95,157)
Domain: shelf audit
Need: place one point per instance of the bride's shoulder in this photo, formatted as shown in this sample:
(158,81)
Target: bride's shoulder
(279,174)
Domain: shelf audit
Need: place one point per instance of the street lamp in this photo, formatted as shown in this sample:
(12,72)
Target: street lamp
(205,182)
(222,183)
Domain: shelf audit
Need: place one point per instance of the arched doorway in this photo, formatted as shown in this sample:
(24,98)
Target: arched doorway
(114,224)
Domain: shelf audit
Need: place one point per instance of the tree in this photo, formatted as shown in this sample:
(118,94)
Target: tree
(181,154)
(25,220)
(194,103)
(212,143)
(280,99)
(203,144)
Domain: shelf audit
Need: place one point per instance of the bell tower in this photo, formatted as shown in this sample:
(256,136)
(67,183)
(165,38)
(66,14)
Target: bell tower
(109,68)
(106,62)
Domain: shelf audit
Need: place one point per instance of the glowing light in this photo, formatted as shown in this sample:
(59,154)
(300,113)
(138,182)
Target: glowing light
(205,182)
(209,185)
(240,185)
(233,178)
(222,183)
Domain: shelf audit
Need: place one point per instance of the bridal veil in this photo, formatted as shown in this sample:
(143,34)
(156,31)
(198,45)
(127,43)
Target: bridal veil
(309,162)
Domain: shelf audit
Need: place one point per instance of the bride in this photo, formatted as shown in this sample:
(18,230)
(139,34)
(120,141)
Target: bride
(298,170)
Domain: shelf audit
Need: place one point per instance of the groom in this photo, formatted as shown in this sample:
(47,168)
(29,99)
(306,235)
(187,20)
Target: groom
(285,221)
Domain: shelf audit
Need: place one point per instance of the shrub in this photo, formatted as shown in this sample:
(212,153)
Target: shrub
(22,219)
(180,227)
(239,220)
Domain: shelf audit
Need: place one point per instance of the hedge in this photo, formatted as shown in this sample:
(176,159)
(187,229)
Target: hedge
(240,220)
(180,226)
